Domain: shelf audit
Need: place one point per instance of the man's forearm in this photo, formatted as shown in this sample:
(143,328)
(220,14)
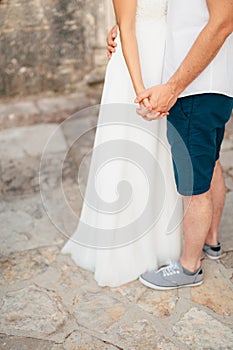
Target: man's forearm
(204,50)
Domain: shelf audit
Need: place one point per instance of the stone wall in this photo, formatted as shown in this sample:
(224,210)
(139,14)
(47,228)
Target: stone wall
(48,45)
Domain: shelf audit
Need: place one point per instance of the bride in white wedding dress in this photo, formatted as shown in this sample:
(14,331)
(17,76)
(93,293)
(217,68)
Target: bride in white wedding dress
(116,244)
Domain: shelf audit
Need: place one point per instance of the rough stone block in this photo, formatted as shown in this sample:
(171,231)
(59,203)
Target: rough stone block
(198,330)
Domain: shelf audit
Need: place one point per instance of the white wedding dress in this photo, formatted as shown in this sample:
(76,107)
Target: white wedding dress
(131,219)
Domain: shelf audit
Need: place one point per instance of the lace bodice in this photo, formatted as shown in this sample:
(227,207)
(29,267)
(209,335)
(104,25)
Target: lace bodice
(151,9)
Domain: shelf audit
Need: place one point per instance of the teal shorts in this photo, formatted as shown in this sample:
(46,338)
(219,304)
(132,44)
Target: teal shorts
(196,127)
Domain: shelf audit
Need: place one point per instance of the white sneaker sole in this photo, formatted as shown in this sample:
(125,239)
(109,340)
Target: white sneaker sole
(214,257)
(154,286)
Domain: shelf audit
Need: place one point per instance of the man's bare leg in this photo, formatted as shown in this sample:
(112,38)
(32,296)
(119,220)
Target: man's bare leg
(197,223)
(218,191)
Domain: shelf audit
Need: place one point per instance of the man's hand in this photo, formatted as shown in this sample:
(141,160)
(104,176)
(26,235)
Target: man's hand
(111,41)
(161,97)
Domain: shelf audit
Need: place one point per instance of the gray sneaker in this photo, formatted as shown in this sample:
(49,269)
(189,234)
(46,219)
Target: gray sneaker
(171,277)
(213,252)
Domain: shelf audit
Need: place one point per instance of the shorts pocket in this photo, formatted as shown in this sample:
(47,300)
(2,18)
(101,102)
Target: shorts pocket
(186,105)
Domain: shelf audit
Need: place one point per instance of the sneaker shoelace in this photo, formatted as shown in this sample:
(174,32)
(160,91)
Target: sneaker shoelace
(171,269)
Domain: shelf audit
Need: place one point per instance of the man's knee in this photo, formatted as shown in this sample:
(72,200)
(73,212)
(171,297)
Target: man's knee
(198,197)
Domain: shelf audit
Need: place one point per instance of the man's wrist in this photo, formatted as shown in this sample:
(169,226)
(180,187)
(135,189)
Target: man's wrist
(176,85)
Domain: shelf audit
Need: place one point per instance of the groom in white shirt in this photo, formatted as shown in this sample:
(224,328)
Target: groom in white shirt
(198,94)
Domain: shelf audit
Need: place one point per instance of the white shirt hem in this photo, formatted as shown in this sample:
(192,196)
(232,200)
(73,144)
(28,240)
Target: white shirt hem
(185,94)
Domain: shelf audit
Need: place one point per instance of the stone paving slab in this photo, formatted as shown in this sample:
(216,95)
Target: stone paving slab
(69,103)
(30,141)
(161,305)
(227,156)
(11,109)
(35,310)
(198,330)
(81,123)
(135,331)
(229,129)
(35,175)
(24,343)
(23,266)
(216,292)
(227,159)
(81,340)
(226,226)
(50,109)
(227,145)
(25,225)
(105,310)
(227,261)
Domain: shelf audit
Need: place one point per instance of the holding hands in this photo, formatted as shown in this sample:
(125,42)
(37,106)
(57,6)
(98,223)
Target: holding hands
(161,98)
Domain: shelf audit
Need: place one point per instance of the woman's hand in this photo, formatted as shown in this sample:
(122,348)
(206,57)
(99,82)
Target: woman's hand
(162,99)
(111,44)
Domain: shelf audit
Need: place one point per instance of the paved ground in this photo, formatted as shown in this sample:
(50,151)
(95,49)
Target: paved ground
(49,303)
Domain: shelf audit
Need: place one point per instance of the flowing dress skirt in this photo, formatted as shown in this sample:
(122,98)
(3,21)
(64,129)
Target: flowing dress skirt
(131,219)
